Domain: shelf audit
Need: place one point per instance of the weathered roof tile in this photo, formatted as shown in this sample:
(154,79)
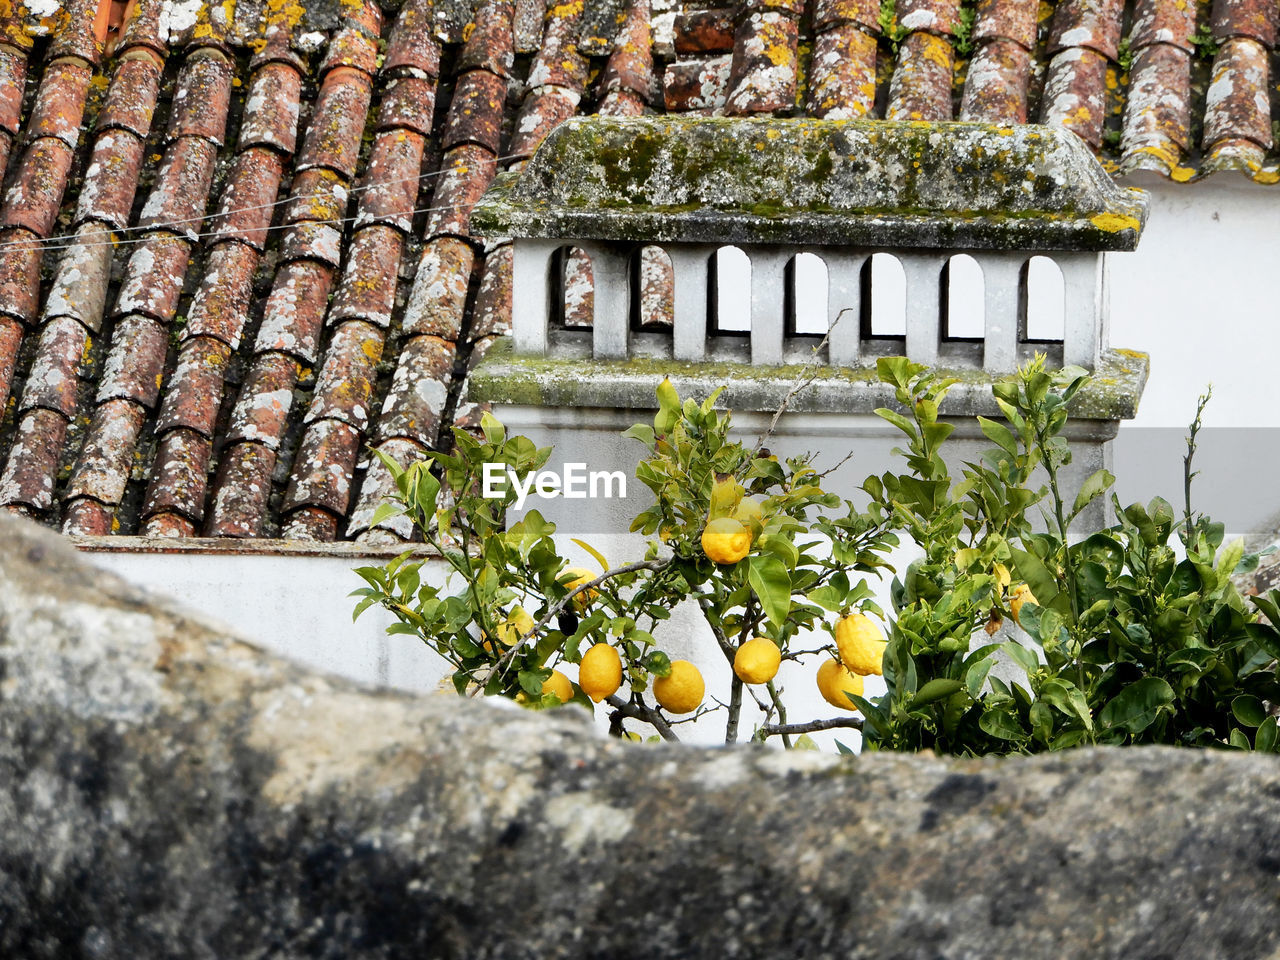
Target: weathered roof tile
(1157,118)
(271,110)
(262,409)
(704,31)
(842,73)
(153,278)
(111,179)
(33,200)
(333,139)
(1238,104)
(350,48)
(135,362)
(59,105)
(1087,23)
(558,61)
(53,381)
(1075,93)
(995,89)
(765,65)
(368,287)
(29,472)
(241,491)
(105,462)
(1163,21)
(248,201)
(1013,20)
(1255,19)
(13,78)
(489,46)
(318,195)
(438,299)
(412,46)
(829,12)
(492,313)
(202,97)
(221,303)
(294,312)
(131,97)
(542,111)
(174,501)
(83,275)
(195,389)
(327,451)
(181,192)
(20,253)
(630,66)
(419,390)
(696,84)
(475,114)
(935,16)
(467,172)
(344,387)
(921,85)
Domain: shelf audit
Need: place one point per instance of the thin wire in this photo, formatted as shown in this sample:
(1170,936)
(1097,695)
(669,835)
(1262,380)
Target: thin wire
(69,241)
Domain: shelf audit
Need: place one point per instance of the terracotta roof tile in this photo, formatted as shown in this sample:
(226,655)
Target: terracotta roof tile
(135,362)
(558,62)
(1255,19)
(489,46)
(622,103)
(28,477)
(11,331)
(1075,93)
(247,203)
(842,77)
(542,111)
(1238,104)
(33,200)
(153,277)
(78,35)
(438,300)
(111,179)
(765,66)
(106,460)
(1163,21)
(310,523)
(1013,20)
(262,409)
(174,502)
(657,289)
(419,390)
(696,84)
(202,97)
(350,48)
(194,391)
(995,89)
(13,80)
(378,485)
(271,110)
(827,13)
(475,115)
(221,303)
(294,312)
(1087,23)
(921,85)
(146,26)
(630,65)
(88,518)
(333,139)
(20,254)
(705,31)
(412,46)
(368,287)
(327,450)
(321,242)
(131,97)
(408,103)
(59,106)
(467,173)
(933,16)
(492,313)
(579,290)
(53,382)
(527,25)
(181,191)
(317,195)
(1157,118)
(242,488)
(82,278)
(598,26)
(344,388)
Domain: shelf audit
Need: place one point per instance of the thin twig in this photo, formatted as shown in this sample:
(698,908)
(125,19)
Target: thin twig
(638,711)
(808,374)
(557,608)
(812,726)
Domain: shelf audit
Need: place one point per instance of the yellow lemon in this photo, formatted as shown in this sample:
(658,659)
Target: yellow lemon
(757,660)
(1002,575)
(834,681)
(681,690)
(861,644)
(1017,597)
(558,684)
(600,673)
(517,624)
(726,540)
(580,575)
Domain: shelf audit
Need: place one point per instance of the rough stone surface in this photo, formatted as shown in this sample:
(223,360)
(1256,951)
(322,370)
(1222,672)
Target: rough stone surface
(169,791)
(843,182)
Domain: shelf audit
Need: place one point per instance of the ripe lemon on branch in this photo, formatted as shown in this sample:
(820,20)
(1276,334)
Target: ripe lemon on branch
(1017,597)
(834,681)
(861,644)
(600,673)
(681,690)
(757,660)
(726,540)
(558,684)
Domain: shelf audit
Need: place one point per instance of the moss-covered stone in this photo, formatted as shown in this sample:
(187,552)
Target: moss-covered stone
(503,377)
(824,182)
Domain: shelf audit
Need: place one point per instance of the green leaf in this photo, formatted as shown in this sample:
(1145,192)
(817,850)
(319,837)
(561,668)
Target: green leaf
(844,750)
(977,676)
(772,586)
(804,742)
(1041,721)
(1267,740)
(1090,490)
(657,663)
(492,428)
(1002,725)
(936,689)
(386,510)
(1238,739)
(599,557)
(898,420)
(1000,435)
(531,681)
(1135,707)
(1032,569)
(640,431)
(1248,710)
(1024,658)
